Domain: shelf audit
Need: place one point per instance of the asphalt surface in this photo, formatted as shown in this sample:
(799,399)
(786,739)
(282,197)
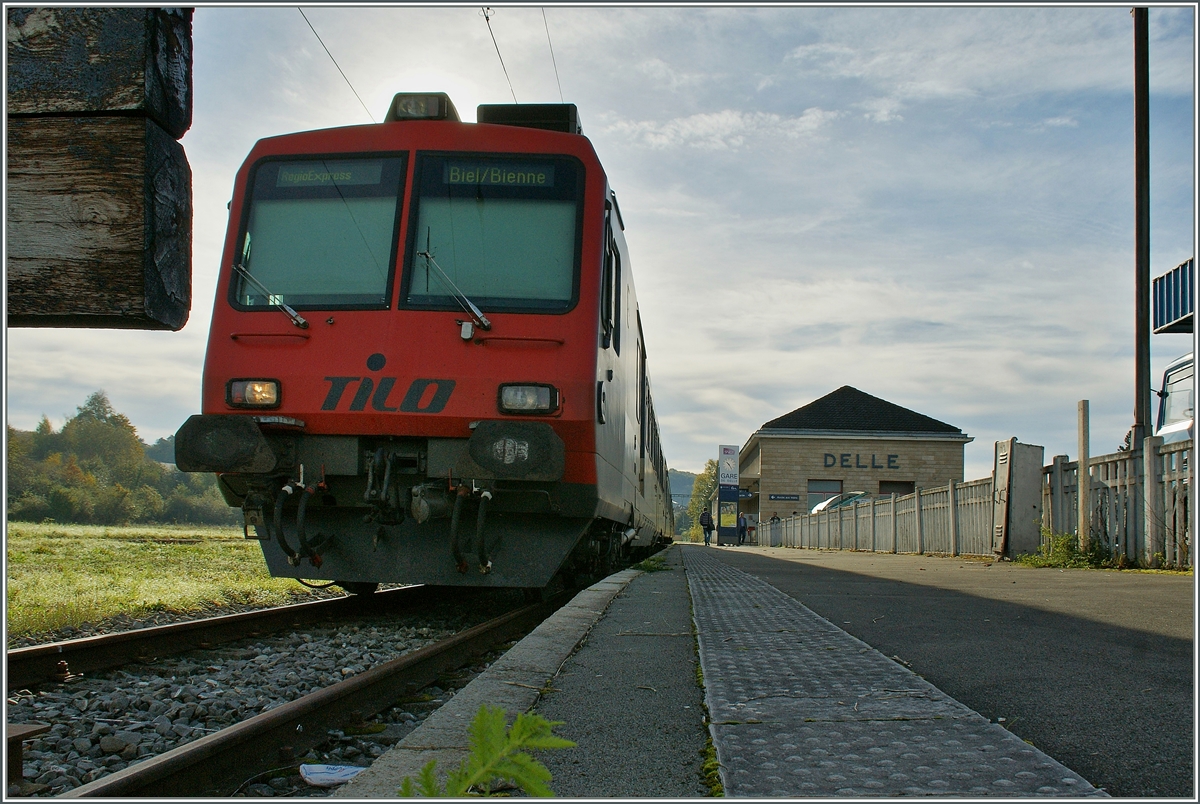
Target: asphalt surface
(629,698)
(1094,668)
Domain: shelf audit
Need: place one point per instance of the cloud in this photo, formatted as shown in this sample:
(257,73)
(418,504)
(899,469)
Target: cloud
(728,129)
(658,70)
(882,110)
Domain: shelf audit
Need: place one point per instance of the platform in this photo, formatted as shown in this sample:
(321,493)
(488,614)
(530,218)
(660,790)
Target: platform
(798,707)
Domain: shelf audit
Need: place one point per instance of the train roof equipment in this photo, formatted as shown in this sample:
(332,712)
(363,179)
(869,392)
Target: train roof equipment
(421,106)
(549,116)
(562,117)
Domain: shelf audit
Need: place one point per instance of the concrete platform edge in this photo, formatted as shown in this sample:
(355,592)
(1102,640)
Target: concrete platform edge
(513,682)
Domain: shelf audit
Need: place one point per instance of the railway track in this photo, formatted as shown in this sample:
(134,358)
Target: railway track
(217,764)
(43,663)
(355,657)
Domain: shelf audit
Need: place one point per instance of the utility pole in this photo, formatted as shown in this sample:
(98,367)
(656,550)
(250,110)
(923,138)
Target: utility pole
(1141,169)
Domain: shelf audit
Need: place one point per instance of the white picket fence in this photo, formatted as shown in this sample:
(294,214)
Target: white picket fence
(956,519)
(1118,517)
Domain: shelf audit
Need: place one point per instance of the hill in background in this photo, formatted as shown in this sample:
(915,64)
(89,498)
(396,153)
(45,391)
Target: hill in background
(681,486)
(681,495)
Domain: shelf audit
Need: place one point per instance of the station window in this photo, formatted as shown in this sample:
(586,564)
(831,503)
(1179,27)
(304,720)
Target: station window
(901,487)
(821,490)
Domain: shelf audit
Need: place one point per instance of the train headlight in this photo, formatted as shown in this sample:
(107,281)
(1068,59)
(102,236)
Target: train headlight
(252,393)
(528,398)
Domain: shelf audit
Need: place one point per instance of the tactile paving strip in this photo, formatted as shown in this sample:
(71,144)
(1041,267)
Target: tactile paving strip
(802,708)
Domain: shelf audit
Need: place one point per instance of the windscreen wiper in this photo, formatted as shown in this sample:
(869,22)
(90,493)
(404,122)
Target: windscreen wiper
(468,306)
(283,308)
(241,268)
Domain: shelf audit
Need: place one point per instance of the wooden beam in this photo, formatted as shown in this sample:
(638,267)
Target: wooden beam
(102,60)
(99,199)
(99,224)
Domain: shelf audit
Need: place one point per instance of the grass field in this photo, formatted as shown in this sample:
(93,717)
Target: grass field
(64,575)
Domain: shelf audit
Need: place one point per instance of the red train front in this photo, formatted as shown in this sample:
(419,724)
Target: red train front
(426,363)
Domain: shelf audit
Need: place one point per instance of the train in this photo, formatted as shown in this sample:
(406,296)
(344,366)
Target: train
(426,362)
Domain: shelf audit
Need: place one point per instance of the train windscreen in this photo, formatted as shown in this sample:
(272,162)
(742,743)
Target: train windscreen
(502,231)
(320,233)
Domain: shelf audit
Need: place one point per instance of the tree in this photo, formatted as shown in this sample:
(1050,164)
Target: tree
(106,444)
(97,470)
(702,489)
(98,408)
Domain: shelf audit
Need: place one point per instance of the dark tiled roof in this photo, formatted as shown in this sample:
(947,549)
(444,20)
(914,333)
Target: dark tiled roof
(848,408)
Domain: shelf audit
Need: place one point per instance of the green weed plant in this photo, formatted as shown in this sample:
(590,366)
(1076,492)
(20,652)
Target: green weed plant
(497,759)
(1062,551)
(654,563)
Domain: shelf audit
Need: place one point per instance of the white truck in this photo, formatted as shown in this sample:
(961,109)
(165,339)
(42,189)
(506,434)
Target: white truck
(1176,409)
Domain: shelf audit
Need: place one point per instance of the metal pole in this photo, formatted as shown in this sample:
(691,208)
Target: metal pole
(1084,478)
(1141,161)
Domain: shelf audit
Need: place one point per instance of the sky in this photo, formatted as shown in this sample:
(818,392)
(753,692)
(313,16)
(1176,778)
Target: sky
(933,205)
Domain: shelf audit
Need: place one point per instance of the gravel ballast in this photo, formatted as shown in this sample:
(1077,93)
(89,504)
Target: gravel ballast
(109,720)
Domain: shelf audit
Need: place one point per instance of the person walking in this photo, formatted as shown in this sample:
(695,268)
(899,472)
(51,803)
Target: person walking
(706,525)
(741,529)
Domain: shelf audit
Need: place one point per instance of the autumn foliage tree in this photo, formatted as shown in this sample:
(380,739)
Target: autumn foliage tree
(95,470)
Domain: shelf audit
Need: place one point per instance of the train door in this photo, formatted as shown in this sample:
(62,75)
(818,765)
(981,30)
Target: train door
(613,414)
(643,419)
(610,305)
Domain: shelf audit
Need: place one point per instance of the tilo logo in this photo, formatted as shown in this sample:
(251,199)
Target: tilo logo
(417,399)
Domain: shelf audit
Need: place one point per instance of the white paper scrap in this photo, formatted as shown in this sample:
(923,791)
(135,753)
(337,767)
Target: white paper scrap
(329,775)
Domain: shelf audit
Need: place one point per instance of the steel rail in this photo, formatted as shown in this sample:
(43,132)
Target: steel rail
(217,764)
(40,663)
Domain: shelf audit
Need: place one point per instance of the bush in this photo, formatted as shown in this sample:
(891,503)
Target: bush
(1062,550)
(148,505)
(112,505)
(29,508)
(70,505)
(208,509)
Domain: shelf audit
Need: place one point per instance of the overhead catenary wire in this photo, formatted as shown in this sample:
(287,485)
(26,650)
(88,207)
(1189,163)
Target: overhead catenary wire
(552,59)
(335,64)
(487,17)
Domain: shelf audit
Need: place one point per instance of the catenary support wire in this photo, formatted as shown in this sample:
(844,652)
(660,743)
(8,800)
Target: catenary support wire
(335,64)
(487,17)
(552,59)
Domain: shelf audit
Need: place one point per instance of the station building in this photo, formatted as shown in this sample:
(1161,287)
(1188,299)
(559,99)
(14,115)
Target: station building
(846,441)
